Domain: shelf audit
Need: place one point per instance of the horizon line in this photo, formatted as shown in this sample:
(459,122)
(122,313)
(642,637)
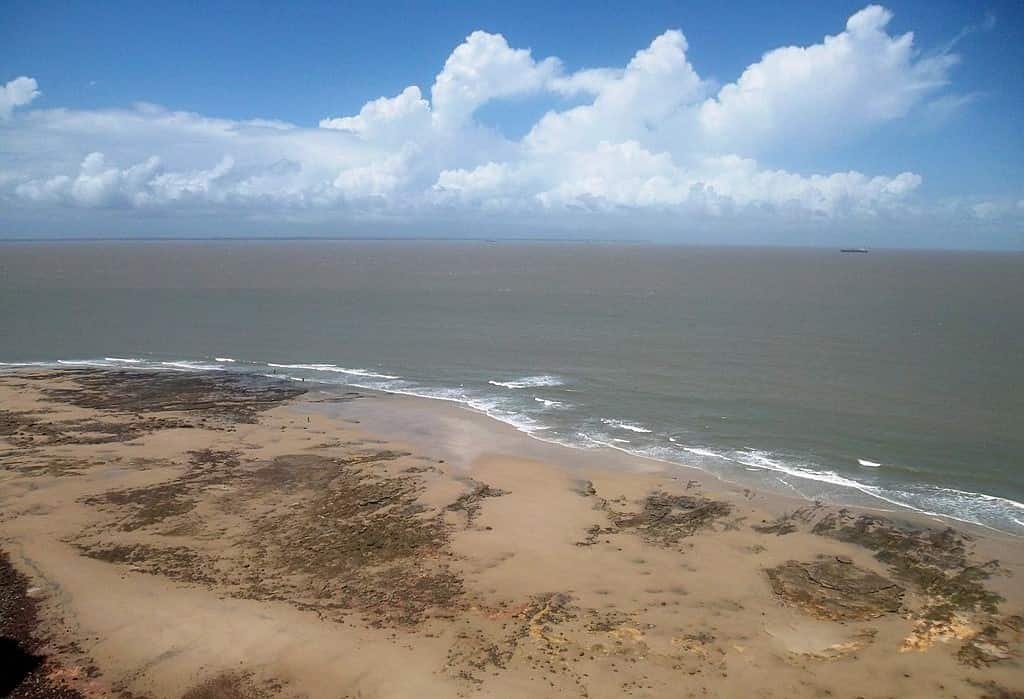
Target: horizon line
(525,239)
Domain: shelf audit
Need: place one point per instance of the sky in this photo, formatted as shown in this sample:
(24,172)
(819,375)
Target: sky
(829,123)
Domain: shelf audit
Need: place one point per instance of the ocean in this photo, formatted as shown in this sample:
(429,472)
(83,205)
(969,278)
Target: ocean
(893,379)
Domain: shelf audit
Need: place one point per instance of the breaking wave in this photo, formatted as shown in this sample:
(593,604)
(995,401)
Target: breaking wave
(529,382)
(335,369)
(571,424)
(622,425)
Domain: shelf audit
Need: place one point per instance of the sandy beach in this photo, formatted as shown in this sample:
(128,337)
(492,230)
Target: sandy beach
(171,534)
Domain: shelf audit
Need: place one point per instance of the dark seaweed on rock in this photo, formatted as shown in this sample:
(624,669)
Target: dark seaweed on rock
(987,646)
(834,588)
(666,519)
(234,397)
(22,422)
(175,562)
(125,397)
(469,503)
(992,690)
(26,430)
(303,470)
(148,505)
(218,459)
(474,651)
(594,533)
(936,561)
(779,527)
(329,534)
(364,542)
(789,522)
(232,685)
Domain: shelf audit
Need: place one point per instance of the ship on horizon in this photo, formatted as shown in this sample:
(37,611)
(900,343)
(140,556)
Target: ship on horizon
(853,250)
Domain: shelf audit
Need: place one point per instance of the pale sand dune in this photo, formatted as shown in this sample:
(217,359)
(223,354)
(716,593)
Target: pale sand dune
(236,542)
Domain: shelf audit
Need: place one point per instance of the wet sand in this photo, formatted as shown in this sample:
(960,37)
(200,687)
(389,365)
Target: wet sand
(180,535)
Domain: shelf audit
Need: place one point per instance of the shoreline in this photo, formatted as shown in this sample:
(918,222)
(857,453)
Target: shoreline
(848,492)
(623,458)
(197,535)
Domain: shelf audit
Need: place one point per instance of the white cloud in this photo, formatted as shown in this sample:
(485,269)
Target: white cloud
(617,176)
(655,85)
(997,210)
(17,93)
(141,185)
(482,68)
(741,181)
(406,115)
(824,92)
(649,137)
(584,82)
(489,178)
(378,178)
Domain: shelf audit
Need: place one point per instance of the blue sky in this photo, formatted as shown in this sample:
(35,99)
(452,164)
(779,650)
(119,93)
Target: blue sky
(941,128)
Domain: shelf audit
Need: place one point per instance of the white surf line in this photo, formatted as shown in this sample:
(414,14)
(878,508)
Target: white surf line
(335,369)
(853,485)
(540,381)
(848,483)
(623,425)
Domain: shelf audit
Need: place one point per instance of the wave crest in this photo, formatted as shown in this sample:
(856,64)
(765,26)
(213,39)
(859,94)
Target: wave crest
(529,382)
(334,368)
(623,425)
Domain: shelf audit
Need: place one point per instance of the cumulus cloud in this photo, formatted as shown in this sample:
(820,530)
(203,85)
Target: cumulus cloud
(652,136)
(17,93)
(144,184)
(407,116)
(847,83)
(637,105)
(621,176)
(482,68)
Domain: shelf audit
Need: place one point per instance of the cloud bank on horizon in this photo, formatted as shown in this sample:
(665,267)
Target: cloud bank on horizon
(648,145)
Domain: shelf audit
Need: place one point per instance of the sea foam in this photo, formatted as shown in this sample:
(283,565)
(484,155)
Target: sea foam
(333,368)
(529,382)
(192,366)
(622,425)
(963,505)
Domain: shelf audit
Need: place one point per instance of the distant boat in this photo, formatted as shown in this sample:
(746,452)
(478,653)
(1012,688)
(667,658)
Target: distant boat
(854,250)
